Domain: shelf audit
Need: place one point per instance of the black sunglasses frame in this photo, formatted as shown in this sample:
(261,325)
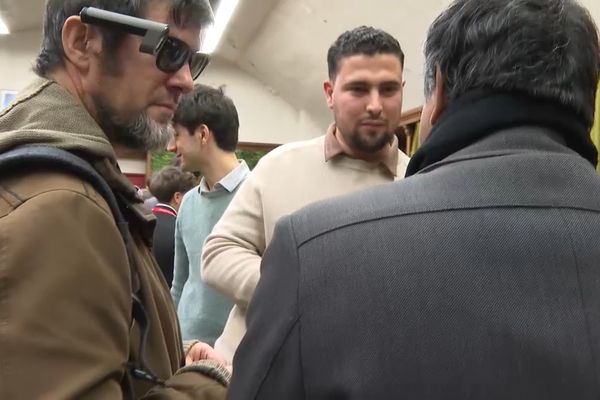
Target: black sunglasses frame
(155,40)
(196,60)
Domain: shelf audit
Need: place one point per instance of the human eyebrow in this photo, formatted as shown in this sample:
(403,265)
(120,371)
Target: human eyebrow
(391,85)
(356,85)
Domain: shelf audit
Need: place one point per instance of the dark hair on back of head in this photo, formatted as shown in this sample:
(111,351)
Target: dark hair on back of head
(170,180)
(364,40)
(208,106)
(547,49)
(185,13)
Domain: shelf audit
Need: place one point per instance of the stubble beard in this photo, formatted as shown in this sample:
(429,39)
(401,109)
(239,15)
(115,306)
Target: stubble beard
(366,144)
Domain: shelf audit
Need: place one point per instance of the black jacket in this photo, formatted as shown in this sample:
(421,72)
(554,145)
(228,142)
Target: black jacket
(163,244)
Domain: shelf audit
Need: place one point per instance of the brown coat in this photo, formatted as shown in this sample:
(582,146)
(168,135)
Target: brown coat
(65,283)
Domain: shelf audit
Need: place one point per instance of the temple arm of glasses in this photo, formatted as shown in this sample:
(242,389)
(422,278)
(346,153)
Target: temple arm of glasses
(154,33)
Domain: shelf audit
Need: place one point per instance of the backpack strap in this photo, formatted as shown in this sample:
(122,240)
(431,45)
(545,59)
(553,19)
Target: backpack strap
(57,159)
(53,158)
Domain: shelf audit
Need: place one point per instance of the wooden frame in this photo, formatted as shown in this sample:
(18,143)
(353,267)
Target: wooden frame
(411,116)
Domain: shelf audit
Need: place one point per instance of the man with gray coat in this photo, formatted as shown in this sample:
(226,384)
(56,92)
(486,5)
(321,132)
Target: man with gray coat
(477,276)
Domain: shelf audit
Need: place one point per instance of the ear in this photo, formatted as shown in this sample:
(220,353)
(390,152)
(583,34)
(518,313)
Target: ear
(176,200)
(438,97)
(80,42)
(328,89)
(204,135)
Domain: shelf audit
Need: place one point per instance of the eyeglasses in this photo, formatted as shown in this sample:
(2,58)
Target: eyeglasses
(174,53)
(171,53)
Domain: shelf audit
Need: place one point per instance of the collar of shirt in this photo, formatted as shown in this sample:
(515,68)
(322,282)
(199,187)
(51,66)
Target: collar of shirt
(389,157)
(165,207)
(230,181)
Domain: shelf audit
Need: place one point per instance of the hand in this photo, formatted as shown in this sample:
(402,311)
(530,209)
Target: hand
(202,351)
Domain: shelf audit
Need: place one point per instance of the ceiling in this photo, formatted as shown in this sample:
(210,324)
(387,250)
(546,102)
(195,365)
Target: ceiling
(283,43)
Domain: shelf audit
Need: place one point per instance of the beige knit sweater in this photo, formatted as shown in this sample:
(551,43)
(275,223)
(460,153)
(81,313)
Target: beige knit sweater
(285,180)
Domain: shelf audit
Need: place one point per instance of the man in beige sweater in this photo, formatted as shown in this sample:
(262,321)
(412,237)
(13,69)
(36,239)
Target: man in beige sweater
(359,150)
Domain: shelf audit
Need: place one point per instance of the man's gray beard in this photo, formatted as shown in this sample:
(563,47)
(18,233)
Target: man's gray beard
(149,134)
(140,132)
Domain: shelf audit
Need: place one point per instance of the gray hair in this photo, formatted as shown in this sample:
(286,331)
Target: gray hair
(185,13)
(544,48)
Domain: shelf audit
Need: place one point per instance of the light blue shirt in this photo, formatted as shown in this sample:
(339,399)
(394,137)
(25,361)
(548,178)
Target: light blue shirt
(202,310)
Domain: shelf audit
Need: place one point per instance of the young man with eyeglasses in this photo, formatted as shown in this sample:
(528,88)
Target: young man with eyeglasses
(83,312)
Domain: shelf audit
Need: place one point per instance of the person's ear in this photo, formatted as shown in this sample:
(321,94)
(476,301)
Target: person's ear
(203,134)
(328,89)
(177,198)
(80,42)
(438,97)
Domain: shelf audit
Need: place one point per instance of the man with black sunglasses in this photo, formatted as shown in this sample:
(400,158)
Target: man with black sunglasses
(84,309)
(171,53)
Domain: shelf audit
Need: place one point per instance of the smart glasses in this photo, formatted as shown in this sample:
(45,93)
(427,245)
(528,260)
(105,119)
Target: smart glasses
(171,53)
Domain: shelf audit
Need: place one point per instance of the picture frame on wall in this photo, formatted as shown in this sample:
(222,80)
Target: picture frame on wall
(6,96)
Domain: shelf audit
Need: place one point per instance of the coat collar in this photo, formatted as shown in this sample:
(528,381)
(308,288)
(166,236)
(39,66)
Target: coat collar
(479,114)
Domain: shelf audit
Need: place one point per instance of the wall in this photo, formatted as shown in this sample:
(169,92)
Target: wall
(264,117)
(17,53)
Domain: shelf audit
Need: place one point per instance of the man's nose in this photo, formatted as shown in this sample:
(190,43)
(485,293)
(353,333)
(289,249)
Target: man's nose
(374,107)
(172,145)
(182,79)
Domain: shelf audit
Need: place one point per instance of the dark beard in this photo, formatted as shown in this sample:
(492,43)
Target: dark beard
(356,142)
(139,132)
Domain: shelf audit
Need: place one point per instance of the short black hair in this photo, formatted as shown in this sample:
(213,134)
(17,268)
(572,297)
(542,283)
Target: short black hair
(208,106)
(170,180)
(362,40)
(186,13)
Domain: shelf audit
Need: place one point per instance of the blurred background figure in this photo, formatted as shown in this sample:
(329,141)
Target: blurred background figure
(147,197)
(168,186)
